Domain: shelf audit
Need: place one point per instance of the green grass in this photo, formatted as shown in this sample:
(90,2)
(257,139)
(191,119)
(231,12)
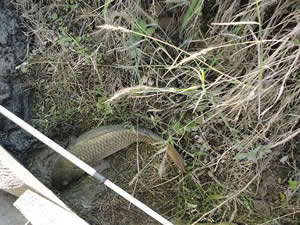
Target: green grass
(227,97)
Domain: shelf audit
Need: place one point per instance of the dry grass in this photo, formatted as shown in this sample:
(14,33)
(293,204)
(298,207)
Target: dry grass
(224,88)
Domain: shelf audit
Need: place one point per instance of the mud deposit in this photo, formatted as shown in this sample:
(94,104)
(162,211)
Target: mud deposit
(98,204)
(13,45)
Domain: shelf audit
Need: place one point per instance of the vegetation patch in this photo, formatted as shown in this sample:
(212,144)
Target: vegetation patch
(219,79)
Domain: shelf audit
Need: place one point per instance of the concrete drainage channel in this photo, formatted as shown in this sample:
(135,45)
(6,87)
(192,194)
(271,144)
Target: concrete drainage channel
(13,47)
(9,215)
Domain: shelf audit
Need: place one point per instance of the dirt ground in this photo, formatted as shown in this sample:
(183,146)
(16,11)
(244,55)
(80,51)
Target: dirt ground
(99,205)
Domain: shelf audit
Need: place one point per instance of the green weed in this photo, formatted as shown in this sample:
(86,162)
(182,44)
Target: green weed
(226,96)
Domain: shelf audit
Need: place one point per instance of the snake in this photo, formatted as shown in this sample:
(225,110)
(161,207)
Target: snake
(99,143)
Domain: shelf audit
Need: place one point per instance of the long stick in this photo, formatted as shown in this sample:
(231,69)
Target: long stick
(82,165)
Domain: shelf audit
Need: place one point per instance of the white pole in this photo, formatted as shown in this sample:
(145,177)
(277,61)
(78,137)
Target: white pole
(82,165)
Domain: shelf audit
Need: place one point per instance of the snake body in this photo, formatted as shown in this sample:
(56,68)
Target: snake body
(100,143)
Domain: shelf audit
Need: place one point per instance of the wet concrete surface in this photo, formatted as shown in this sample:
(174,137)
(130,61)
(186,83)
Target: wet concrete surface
(9,215)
